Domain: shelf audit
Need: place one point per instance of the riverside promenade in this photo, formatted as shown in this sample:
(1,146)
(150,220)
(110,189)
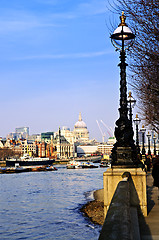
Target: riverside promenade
(149,226)
(143,228)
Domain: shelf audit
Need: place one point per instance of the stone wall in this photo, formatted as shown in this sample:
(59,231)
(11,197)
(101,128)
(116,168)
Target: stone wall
(121,222)
(138,197)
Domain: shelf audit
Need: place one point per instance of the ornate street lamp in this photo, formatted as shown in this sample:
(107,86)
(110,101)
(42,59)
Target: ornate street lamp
(143,130)
(124,150)
(154,139)
(148,136)
(137,122)
(131,105)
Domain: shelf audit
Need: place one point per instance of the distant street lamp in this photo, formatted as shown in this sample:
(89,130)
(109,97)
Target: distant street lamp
(154,139)
(124,150)
(137,122)
(131,105)
(143,130)
(148,136)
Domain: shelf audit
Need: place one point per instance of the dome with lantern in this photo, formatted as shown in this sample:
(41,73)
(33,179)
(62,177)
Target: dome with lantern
(80,123)
(80,130)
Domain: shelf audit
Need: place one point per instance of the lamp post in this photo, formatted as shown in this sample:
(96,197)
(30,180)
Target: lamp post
(143,130)
(131,105)
(137,122)
(124,150)
(148,136)
(154,141)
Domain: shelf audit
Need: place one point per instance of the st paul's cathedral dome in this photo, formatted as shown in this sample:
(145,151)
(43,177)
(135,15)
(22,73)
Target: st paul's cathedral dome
(80,130)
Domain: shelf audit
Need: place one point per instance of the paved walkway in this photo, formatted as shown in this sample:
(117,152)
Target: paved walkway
(149,226)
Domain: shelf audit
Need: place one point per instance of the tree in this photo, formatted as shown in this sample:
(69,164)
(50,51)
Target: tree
(143,59)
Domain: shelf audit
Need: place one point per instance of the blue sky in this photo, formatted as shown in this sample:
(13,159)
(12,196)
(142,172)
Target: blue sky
(56,60)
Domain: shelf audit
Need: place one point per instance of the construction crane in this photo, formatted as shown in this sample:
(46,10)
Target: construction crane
(108,129)
(103,134)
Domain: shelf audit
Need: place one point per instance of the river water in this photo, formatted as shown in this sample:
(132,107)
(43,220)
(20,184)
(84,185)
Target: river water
(45,205)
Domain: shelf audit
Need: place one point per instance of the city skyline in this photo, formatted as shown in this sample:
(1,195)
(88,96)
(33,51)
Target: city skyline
(57,60)
(107,131)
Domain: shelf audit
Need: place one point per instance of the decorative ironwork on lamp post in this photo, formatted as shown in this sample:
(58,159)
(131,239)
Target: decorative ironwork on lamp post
(148,137)
(124,151)
(154,141)
(137,122)
(143,130)
(131,105)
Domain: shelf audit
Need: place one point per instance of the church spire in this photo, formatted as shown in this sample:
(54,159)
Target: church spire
(59,132)
(80,117)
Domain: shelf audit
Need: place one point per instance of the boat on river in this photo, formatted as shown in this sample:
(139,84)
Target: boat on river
(43,168)
(73,164)
(76,165)
(26,160)
(14,170)
(105,164)
(88,165)
(18,169)
(51,168)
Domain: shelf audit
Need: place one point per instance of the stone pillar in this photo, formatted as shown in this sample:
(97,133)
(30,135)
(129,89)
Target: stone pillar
(138,196)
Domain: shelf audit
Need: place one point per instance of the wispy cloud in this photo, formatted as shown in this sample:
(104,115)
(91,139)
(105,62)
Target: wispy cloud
(88,8)
(65,56)
(19,20)
(12,20)
(92,7)
(15,26)
(80,7)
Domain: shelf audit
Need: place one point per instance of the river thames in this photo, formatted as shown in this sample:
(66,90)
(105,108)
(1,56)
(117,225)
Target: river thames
(45,205)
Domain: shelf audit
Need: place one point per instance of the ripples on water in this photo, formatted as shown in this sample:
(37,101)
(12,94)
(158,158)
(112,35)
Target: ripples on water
(45,205)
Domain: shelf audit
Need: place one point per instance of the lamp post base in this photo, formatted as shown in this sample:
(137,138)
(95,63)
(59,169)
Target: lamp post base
(124,151)
(124,158)
(124,155)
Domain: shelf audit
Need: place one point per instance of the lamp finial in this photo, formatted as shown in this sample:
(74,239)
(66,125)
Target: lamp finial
(122,18)
(130,94)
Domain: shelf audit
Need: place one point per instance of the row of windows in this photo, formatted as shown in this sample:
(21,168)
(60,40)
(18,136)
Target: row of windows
(29,148)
